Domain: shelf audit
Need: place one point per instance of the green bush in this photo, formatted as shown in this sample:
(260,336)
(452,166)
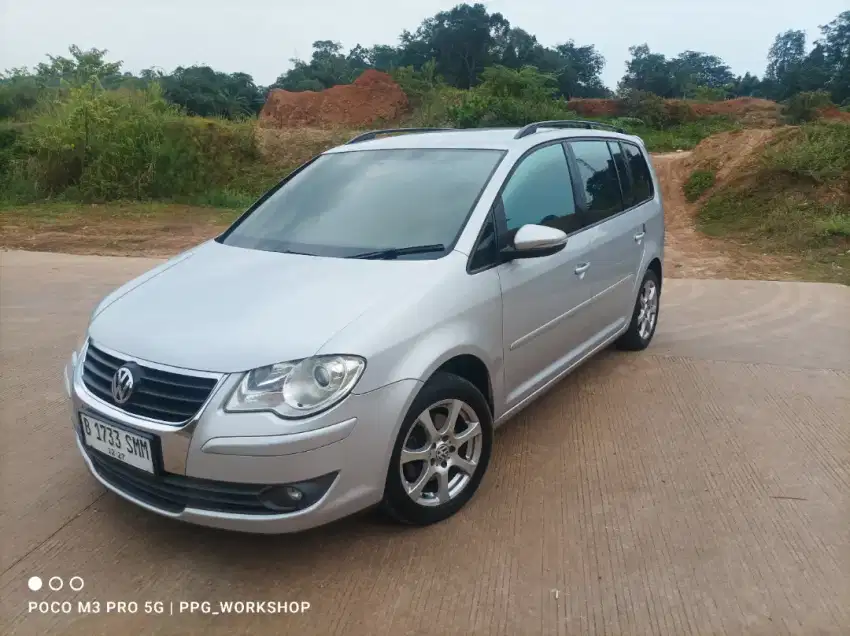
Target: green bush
(647,107)
(681,136)
(698,182)
(98,145)
(817,151)
(508,97)
(18,95)
(653,110)
(804,107)
(708,94)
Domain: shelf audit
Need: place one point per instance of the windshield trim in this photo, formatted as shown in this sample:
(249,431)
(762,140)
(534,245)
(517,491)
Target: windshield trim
(449,246)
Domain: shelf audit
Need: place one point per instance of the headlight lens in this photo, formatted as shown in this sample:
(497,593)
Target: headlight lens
(299,388)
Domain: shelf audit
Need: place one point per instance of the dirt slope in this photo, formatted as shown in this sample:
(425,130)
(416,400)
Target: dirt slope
(690,254)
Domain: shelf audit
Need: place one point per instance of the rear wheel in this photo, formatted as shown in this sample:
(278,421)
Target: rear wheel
(645,315)
(441,453)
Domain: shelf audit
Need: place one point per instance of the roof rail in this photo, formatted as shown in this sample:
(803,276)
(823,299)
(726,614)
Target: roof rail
(530,129)
(372,134)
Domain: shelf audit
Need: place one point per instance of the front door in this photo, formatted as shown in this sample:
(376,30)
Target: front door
(543,299)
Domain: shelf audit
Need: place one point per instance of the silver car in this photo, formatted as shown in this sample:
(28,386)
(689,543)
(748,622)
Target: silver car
(357,335)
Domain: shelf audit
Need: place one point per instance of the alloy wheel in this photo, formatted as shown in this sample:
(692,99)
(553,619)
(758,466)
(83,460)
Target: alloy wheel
(441,452)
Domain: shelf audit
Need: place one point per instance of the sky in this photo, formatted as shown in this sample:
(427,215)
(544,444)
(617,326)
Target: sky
(261,36)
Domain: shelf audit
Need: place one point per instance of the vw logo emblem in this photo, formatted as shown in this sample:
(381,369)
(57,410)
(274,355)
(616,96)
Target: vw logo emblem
(122,385)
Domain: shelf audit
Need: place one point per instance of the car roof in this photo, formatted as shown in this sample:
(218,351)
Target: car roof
(478,138)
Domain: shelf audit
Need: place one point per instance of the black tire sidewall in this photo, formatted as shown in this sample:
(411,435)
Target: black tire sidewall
(442,386)
(631,339)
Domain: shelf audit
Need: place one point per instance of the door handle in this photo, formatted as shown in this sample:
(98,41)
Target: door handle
(581,269)
(639,236)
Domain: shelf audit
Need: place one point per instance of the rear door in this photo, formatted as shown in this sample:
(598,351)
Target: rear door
(639,198)
(614,235)
(545,325)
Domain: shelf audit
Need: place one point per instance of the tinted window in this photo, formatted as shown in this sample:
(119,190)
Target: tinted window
(622,172)
(641,179)
(354,202)
(539,191)
(599,177)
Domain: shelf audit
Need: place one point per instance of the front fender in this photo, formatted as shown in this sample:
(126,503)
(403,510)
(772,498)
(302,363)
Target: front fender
(411,339)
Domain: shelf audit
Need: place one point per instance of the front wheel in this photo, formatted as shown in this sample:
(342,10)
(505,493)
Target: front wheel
(441,452)
(644,317)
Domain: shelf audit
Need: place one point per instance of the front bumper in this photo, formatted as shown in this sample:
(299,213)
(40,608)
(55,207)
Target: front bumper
(349,445)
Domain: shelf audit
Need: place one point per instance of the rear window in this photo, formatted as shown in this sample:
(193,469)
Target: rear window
(348,203)
(641,182)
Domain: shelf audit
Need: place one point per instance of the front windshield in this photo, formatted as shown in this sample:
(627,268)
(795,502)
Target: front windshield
(350,203)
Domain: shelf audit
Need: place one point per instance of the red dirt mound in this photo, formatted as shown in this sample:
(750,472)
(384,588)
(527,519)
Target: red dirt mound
(832,112)
(373,96)
(595,107)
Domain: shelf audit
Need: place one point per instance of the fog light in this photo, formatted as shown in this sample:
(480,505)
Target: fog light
(297,496)
(293,493)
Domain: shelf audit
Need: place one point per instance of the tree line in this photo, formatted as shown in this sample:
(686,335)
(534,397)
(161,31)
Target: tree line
(459,45)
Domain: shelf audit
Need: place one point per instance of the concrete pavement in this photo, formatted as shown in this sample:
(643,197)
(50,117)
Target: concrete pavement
(699,487)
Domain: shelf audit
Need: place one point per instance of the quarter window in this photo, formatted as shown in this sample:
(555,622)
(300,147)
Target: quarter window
(641,179)
(599,178)
(540,192)
(623,172)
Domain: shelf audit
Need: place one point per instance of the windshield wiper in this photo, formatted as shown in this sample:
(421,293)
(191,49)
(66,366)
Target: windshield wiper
(395,252)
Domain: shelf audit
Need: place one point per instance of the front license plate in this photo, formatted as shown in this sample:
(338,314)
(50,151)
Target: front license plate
(124,446)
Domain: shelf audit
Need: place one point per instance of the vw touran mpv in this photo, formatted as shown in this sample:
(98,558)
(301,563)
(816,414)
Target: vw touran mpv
(356,336)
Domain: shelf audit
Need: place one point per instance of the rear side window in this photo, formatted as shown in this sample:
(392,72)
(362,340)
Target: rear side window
(598,175)
(641,180)
(540,192)
(622,171)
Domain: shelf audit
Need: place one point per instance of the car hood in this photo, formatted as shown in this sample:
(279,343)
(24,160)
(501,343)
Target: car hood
(227,309)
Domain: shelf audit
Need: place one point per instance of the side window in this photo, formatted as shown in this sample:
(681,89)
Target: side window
(487,250)
(599,176)
(540,191)
(642,181)
(623,173)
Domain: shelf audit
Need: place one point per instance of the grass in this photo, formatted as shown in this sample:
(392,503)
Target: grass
(682,136)
(698,183)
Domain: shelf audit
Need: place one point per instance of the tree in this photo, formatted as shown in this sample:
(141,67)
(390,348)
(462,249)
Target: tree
(327,67)
(79,68)
(649,72)
(202,91)
(384,58)
(580,72)
(692,70)
(835,44)
(746,86)
(463,41)
(785,64)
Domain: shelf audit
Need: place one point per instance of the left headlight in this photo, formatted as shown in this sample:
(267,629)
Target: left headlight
(299,388)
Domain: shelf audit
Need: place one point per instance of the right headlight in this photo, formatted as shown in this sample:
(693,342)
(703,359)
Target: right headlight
(299,388)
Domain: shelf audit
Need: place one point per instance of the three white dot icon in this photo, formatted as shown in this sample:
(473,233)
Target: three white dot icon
(55,583)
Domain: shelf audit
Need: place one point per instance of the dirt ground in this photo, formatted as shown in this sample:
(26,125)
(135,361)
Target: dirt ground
(699,487)
(166,230)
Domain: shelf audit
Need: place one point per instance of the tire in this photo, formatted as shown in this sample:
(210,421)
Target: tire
(637,337)
(443,394)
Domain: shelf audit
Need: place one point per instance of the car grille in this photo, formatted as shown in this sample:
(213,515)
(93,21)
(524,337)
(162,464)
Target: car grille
(159,395)
(174,493)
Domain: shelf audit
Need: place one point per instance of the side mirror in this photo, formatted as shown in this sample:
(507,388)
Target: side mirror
(534,241)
